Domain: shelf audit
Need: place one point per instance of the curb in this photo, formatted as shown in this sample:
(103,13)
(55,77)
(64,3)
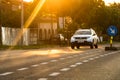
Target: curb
(112,48)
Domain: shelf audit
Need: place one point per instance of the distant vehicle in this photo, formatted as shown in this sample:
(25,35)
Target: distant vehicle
(84,37)
(59,39)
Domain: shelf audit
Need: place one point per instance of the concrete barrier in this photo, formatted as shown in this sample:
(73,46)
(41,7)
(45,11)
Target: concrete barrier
(112,48)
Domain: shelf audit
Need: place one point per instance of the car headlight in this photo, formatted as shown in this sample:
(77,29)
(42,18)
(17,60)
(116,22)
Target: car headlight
(72,39)
(89,39)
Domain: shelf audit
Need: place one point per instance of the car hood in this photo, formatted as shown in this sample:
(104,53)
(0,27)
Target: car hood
(81,36)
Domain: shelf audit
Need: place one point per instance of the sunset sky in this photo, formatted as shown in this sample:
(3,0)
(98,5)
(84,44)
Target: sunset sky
(111,1)
(28,0)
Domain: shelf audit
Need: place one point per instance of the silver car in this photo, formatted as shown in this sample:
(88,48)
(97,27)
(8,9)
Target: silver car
(84,37)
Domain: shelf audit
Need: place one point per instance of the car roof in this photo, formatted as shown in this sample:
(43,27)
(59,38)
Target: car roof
(84,30)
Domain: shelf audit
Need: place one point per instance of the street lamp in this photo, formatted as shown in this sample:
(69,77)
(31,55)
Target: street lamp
(22,20)
(22,14)
(0,23)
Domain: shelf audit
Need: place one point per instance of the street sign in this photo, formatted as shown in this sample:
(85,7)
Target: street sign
(112,31)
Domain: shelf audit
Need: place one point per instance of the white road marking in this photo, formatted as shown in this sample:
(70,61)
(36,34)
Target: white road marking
(109,53)
(6,73)
(69,57)
(75,55)
(65,69)
(54,74)
(80,54)
(21,69)
(73,66)
(44,63)
(85,60)
(113,52)
(101,55)
(43,79)
(117,51)
(36,65)
(62,58)
(106,54)
(96,57)
(53,61)
(79,63)
(91,58)
(86,53)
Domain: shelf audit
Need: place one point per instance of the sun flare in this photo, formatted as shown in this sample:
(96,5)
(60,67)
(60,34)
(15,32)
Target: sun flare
(107,2)
(28,0)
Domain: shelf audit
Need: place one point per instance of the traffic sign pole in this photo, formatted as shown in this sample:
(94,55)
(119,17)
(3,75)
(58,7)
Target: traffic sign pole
(111,41)
(111,31)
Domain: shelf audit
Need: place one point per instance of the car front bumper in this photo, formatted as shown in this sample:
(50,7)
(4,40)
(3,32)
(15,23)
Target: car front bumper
(85,43)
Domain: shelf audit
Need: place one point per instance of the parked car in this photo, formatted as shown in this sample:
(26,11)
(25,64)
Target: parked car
(59,39)
(84,37)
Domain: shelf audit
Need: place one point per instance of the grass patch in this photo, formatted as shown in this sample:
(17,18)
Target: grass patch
(28,47)
(108,42)
(104,42)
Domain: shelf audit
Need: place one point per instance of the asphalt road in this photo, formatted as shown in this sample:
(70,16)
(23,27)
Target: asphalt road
(60,64)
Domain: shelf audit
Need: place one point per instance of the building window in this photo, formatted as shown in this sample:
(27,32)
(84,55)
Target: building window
(49,33)
(52,32)
(45,36)
(40,34)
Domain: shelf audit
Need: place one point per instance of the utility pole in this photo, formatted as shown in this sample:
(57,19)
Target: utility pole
(0,23)
(22,21)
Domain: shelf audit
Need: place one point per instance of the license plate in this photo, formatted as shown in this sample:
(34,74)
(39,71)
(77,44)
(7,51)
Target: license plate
(81,40)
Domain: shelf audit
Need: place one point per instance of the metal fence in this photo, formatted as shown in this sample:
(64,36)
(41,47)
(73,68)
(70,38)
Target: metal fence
(31,36)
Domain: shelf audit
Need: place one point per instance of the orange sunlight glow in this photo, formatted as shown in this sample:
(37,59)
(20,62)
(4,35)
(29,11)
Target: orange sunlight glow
(28,0)
(107,2)
(28,22)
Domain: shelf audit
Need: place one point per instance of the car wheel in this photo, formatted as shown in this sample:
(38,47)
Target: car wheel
(91,46)
(96,45)
(78,47)
(72,47)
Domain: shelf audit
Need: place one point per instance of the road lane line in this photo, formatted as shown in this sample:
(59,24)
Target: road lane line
(21,69)
(53,60)
(69,57)
(85,61)
(106,54)
(62,58)
(43,79)
(36,65)
(113,52)
(109,53)
(6,73)
(72,66)
(44,63)
(91,59)
(65,69)
(54,74)
(96,57)
(101,55)
(79,63)
(86,53)
(75,55)
(80,54)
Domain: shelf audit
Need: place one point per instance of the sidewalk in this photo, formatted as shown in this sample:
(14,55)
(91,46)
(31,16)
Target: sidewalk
(56,51)
(37,52)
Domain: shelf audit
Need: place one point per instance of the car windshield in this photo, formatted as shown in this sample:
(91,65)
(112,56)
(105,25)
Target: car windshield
(83,33)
